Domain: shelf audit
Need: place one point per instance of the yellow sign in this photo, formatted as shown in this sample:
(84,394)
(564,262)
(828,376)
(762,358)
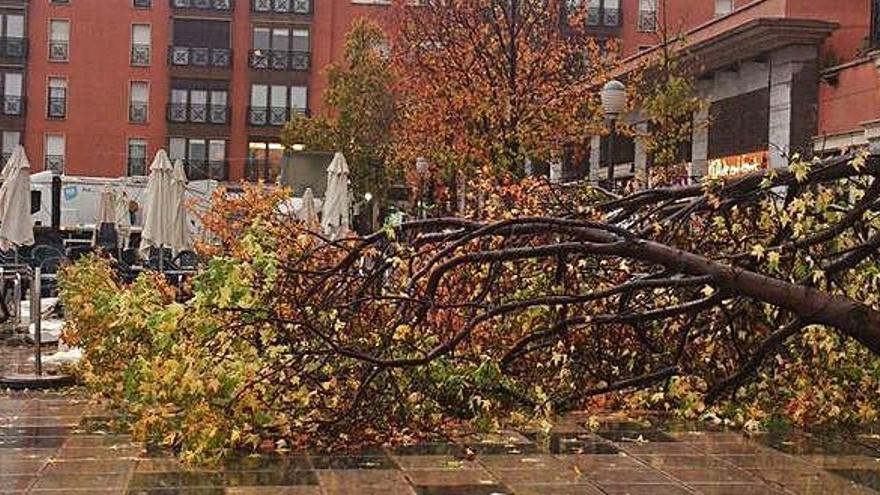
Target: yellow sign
(738,164)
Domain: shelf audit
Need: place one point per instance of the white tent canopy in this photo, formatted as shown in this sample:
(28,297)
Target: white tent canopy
(16,224)
(336,211)
(165,222)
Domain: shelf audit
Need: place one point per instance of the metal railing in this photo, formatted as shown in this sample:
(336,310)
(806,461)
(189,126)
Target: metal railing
(281,60)
(648,20)
(272,116)
(137,166)
(255,170)
(138,112)
(55,163)
(141,54)
(216,5)
(198,113)
(15,48)
(206,169)
(189,56)
(12,105)
(59,51)
(603,16)
(302,7)
(57,108)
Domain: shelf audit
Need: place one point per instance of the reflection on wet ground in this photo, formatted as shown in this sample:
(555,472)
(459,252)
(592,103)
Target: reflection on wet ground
(54,443)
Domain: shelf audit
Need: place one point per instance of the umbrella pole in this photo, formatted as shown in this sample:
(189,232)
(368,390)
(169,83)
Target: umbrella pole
(36,317)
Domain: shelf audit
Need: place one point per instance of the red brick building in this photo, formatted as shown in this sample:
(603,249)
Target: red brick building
(95,87)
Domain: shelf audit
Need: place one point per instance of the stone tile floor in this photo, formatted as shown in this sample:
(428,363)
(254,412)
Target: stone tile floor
(53,443)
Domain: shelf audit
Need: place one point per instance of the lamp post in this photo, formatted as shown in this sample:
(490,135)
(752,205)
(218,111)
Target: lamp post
(422,170)
(613,104)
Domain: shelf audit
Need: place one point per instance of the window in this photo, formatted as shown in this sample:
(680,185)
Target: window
(59,40)
(723,7)
(137,157)
(202,4)
(602,12)
(13,103)
(55,153)
(198,105)
(11,139)
(282,6)
(142,4)
(280,49)
(139,100)
(275,105)
(203,158)
(648,15)
(57,108)
(13,41)
(141,39)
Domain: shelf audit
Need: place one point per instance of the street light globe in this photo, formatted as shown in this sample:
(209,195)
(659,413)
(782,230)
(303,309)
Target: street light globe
(421,165)
(613,98)
(368,197)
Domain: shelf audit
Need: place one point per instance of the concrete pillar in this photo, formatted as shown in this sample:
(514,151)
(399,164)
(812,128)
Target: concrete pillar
(641,155)
(785,65)
(595,157)
(700,145)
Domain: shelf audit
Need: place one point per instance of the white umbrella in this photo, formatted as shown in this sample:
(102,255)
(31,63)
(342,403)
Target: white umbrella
(335,214)
(16,223)
(106,210)
(165,218)
(307,213)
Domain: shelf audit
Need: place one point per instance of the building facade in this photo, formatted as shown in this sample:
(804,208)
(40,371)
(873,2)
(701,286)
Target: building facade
(782,77)
(97,87)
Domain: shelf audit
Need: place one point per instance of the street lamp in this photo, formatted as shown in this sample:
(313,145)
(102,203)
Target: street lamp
(613,104)
(422,169)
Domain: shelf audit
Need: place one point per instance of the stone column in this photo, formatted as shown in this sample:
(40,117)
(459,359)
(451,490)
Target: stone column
(641,155)
(595,157)
(786,66)
(700,145)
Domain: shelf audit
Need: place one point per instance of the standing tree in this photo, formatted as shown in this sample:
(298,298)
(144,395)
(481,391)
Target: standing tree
(493,83)
(360,110)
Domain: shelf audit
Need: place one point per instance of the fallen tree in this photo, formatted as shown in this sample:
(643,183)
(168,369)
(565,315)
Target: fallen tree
(540,302)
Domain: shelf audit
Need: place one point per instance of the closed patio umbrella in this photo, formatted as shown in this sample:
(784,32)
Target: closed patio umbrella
(307,213)
(16,223)
(335,214)
(105,219)
(165,219)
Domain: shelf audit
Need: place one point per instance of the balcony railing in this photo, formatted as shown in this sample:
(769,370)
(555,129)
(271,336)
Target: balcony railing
(188,56)
(137,166)
(59,51)
(302,7)
(216,5)
(648,20)
(206,169)
(272,116)
(281,60)
(255,169)
(15,48)
(12,105)
(55,163)
(138,112)
(57,108)
(140,54)
(198,113)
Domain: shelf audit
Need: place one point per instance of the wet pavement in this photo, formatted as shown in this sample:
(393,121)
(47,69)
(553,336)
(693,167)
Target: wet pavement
(55,443)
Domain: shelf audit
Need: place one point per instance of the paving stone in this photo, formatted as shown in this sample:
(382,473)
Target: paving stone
(628,476)
(434,462)
(646,489)
(446,477)
(587,463)
(736,489)
(464,490)
(537,461)
(353,462)
(683,461)
(549,475)
(711,475)
(336,479)
(82,481)
(556,489)
(274,490)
